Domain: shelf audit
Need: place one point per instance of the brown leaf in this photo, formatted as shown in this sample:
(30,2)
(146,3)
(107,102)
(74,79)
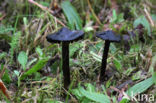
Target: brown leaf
(4,89)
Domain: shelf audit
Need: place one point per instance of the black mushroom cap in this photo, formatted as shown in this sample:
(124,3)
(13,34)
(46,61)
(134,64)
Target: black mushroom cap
(65,35)
(109,35)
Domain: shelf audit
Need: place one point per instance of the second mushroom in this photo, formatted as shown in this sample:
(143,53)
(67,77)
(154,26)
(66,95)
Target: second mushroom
(109,36)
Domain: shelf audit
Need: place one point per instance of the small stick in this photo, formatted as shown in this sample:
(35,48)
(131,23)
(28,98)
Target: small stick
(42,7)
(2,72)
(46,9)
(2,17)
(148,17)
(4,89)
(2,86)
(92,11)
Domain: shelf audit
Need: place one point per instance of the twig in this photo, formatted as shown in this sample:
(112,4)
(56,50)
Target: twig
(42,7)
(2,86)
(45,34)
(46,9)
(148,17)
(4,89)
(2,72)
(2,17)
(90,7)
(38,30)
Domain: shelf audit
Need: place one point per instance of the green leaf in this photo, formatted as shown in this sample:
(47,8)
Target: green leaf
(6,77)
(72,15)
(4,29)
(39,65)
(140,87)
(117,64)
(95,96)
(114,16)
(136,76)
(95,56)
(39,52)
(152,66)
(22,59)
(142,20)
(124,100)
(44,3)
(25,21)
(153,17)
(117,18)
(17,73)
(6,37)
(51,101)
(90,87)
(154,77)
(14,44)
(135,48)
(3,55)
(88,29)
(74,48)
(120,18)
(77,93)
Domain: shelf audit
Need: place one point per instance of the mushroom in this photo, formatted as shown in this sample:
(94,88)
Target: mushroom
(65,36)
(109,36)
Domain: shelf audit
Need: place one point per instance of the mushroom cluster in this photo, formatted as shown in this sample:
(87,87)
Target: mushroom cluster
(66,36)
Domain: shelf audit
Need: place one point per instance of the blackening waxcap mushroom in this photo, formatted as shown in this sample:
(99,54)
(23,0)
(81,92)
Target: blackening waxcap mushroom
(65,35)
(109,35)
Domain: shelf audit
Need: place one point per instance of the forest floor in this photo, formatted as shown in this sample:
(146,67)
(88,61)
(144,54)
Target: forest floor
(31,67)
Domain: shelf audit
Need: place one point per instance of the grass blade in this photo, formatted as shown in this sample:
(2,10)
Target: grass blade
(140,87)
(39,65)
(72,15)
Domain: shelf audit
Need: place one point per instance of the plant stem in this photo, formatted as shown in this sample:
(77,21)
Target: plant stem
(104,60)
(65,64)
